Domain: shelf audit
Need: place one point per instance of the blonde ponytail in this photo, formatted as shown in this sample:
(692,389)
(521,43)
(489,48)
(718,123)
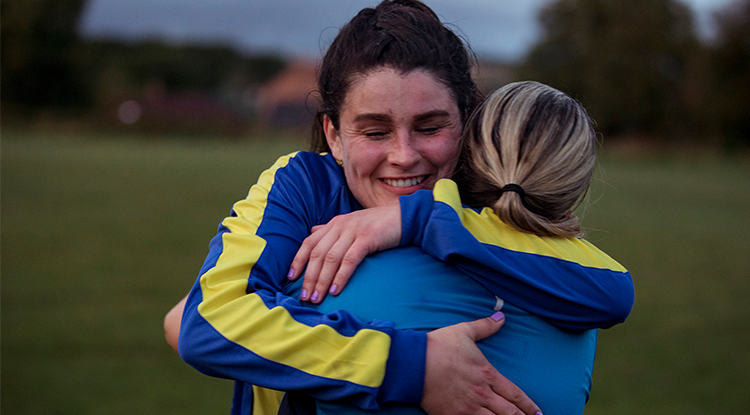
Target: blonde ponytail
(530,135)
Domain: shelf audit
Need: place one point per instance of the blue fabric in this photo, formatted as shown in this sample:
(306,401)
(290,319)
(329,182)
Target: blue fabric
(551,365)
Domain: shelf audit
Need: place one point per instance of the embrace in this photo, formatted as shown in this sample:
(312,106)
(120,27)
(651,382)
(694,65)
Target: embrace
(423,257)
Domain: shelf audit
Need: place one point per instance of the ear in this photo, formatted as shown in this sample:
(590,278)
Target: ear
(333,138)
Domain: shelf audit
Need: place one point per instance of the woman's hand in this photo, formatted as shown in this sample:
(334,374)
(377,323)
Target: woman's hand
(460,380)
(333,251)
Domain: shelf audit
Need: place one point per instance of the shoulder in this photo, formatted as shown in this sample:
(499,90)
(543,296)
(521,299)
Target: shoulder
(487,227)
(321,167)
(501,235)
(304,171)
(311,181)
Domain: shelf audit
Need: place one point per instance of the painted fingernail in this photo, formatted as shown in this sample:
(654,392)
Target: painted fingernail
(315,296)
(334,289)
(497,317)
(303,295)
(291,273)
(538,413)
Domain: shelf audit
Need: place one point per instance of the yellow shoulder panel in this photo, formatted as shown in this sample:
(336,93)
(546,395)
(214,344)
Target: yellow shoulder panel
(487,227)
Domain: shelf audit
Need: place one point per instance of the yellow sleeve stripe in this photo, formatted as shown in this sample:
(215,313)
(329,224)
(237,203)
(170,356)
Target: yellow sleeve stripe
(490,230)
(266,401)
(317,350)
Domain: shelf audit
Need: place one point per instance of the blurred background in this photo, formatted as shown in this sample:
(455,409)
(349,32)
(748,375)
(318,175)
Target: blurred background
(128,128)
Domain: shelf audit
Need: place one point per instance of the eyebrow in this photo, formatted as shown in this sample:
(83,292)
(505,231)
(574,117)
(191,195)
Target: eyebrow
(431,114)
(372,117)
(386,118)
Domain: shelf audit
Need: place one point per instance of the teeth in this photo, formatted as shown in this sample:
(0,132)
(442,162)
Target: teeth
(404,183)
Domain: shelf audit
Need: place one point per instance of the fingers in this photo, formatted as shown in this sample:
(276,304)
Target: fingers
(484,327)
(331,259)
(324,265)
(338,266)
(304,253)
(301,258)
(324,255)
(510,399)
(343,270)
(497,405)
(505,396)
(459,379)
(332,252)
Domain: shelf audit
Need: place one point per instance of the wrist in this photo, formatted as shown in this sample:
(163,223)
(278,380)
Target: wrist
(405,369)
(415,213)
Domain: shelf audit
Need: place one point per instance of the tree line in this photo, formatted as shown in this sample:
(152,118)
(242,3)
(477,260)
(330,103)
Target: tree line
(48,68)
(637,66)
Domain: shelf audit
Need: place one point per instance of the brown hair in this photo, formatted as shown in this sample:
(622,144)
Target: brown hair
(402,34)
(534,136)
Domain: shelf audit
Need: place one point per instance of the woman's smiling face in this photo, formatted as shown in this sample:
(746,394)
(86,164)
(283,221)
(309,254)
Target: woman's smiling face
(398,133)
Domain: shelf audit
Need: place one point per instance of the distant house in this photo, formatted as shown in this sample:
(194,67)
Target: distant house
(288,100)
(161,111)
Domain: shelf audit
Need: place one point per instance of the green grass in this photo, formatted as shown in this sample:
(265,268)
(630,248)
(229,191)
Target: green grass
(100,237)
(681,227)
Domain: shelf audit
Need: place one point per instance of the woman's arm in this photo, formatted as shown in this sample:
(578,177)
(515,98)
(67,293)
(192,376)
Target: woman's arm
(238,323)
(567,281)
(172,323)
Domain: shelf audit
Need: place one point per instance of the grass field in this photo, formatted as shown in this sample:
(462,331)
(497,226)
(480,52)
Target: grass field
(100,237)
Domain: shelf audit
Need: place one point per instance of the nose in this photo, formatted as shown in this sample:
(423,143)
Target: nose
(403,152)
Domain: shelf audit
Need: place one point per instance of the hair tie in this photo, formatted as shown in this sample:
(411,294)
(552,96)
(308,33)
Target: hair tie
(512,187)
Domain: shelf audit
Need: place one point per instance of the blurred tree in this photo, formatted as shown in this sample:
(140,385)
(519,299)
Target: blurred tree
(729,96)
(44,64)
(179,88)
(625,61)
(38,51)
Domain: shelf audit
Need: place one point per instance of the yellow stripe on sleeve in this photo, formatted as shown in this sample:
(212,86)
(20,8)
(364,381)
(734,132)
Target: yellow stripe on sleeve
(490,230)
(266,401)
(318,350)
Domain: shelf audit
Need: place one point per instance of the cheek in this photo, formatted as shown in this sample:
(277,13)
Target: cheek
(444,154)
(359,162)
(363,156)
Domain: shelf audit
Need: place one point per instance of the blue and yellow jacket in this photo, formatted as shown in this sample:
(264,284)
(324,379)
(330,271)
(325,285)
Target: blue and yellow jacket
(239,324)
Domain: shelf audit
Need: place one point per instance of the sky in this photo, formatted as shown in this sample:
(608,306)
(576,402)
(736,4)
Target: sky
(496,29)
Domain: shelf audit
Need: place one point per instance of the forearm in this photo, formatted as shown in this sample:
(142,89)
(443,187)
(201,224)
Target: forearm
(172,323)
(564,280)
(268,339)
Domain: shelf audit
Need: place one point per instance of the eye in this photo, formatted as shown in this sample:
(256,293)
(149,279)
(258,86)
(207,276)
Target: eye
(428,130)
(376,134)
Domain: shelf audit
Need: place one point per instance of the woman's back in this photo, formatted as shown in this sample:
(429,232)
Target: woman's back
(415,291)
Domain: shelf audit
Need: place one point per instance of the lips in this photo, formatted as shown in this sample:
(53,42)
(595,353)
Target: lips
(412,181)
